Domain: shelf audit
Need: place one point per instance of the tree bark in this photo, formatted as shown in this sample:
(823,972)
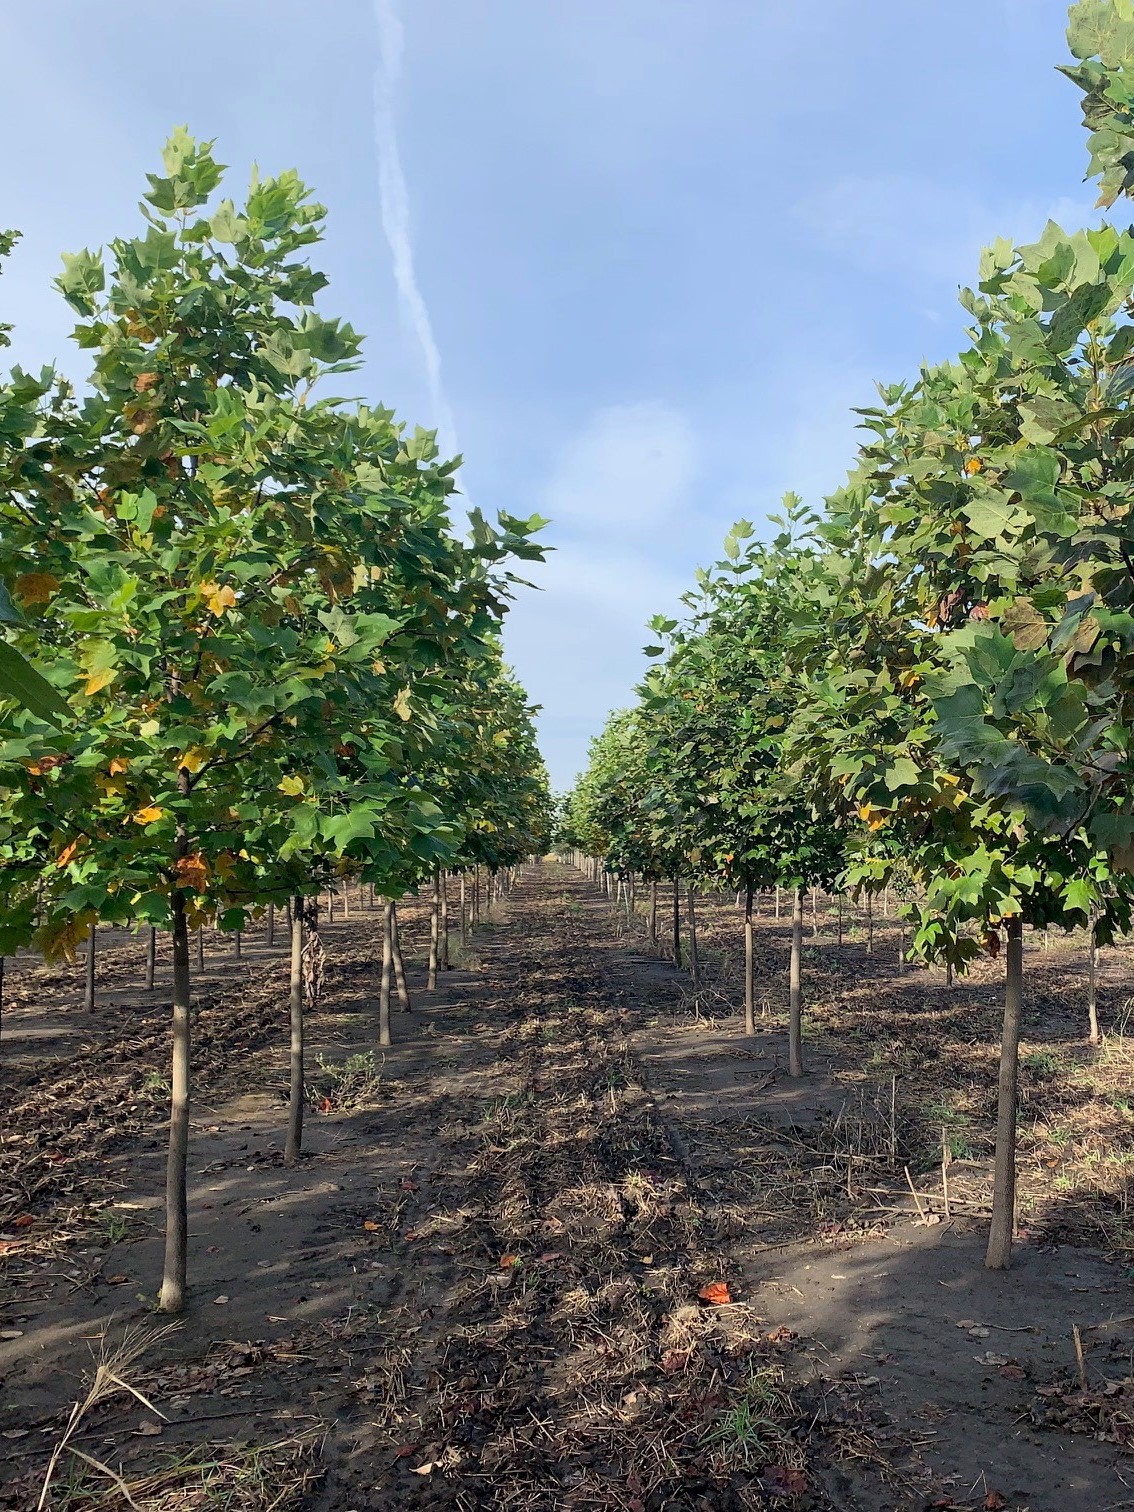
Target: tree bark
(151,958)
(89,984)
(677,921)
(271,926)
(795,989)
(1092,984)
(200,947)
(444,921)
(749,983)
(236,943)
(172,1299)
(464,913)
(999,1253)
(653,924)
(870,923)
(691,917)
(434,932)
(399,964)
(294,1142)
(387,962)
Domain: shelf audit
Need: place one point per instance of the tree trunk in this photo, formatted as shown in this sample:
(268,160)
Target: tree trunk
(840,910)
(236,943)
(691,916)
(464,914)
(870,923)
(271,926)
(200,947)
(444,921)
(749,984)
(814,913)
(677,921)
(89,985)
(151,958)
(294,1142)
(999,1253)
(434,932)
(172,1299)
(795,988)
(653,925)
(777,903)
(387,962)
(399,964)
(1092,984)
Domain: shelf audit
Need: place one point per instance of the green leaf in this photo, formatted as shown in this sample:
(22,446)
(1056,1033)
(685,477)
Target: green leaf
(20,682)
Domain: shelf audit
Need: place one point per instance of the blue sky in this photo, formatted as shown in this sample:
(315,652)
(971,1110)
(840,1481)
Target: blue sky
(661,246)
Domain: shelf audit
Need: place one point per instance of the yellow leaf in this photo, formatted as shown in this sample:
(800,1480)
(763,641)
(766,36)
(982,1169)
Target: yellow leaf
(193,759)
(99,680)
(973,465)
(37,587)
(148,815)
(218,599)
(118,764)
(292,786)
(402,705)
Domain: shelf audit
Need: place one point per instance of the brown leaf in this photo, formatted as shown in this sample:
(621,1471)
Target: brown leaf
(25,1220)
(147,1429)
(1013,1372)
(994,1502)
(783,1480)
(371,1227)
(506,1262)
(716,1292)
(118,1280)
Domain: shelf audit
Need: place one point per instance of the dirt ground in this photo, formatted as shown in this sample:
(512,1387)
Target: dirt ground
(572,1243)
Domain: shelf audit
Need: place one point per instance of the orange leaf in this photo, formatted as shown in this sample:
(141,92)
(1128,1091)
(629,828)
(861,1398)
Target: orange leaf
(370,1226)
(66,854)
(716,1292)
(506,1262)
(148,815)
(118,764)
(25,1220)
(191,872)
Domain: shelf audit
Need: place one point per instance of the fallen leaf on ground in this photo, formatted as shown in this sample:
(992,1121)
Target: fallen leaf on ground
(783,1480)
(118,1280)
(716,1292)
(147,1430)
(221,1300)
(424,1469)
(1013,1372)
(506,1262)
(371,1227)
(25,1220)
(994,1502)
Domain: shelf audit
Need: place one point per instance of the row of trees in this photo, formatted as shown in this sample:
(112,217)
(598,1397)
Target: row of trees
(928,680)
(269,662)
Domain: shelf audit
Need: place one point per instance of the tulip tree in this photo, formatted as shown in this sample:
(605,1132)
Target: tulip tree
(249,593)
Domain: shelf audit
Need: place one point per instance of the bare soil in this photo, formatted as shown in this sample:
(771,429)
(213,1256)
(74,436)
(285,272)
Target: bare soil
(572,1243)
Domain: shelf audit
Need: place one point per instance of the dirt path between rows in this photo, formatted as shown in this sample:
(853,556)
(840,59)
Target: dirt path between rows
(483,1286)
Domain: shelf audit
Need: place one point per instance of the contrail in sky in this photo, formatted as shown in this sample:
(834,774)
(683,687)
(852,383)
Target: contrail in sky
(396,213)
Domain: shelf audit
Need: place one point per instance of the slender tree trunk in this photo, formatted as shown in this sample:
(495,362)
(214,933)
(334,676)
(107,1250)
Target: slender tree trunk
(476,896)
(870,923)
(434,932)
(330,905)
(677,921)
(399,964)
(200,947)
(89,984)
(814,912)
(294,1142)
(444,921)
(691,915)
(236,943)
(387,962)
(999,1253)
(840,915)
(1,996)
(777,903)
(653,913)
(464,914)
(151,957)
(271,926)
(795,986)
(172,1299)
(1092,983)
(749,983)
(345,899)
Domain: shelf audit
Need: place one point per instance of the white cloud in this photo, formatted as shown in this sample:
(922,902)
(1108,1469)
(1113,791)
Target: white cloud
(630,465)
(913,227)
